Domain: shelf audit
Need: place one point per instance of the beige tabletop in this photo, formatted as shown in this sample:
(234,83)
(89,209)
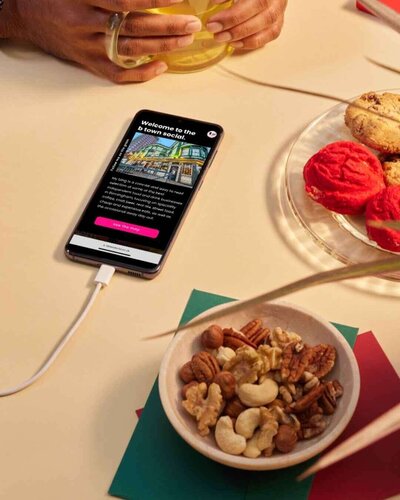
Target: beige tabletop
(64,437)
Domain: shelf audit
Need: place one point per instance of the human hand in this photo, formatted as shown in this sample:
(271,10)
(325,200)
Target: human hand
(74,30)
(248,24)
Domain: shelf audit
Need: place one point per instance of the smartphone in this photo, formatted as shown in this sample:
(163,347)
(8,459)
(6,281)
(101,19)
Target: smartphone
(135,213)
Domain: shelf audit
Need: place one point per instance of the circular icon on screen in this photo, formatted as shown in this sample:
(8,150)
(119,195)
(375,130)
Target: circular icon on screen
(211,134)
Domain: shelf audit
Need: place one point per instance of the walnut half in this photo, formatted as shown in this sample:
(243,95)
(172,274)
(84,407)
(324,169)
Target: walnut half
(204,406)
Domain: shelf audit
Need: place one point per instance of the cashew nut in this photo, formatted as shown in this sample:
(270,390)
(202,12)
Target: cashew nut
(247,422)
(252,450)
(227,439)
(224,354)
(258,395)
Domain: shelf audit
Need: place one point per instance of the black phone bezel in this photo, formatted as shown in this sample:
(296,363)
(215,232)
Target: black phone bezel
(145,269)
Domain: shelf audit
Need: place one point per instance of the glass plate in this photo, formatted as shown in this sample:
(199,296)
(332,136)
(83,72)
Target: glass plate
(343,237)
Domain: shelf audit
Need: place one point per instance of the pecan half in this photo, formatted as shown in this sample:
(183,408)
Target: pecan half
(313,409)
(307,400)
(255,332)
(259,336)
(338,388)
(322,360)
(332,390)
(204,367)
(312,427)
(251,327)
(294,363)
(235,339)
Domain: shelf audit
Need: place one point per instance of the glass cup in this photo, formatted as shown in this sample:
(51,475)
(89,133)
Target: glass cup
(203,52)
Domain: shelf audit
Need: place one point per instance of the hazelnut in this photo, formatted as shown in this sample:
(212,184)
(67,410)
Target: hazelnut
(234,408)
(212,338)
(227,383)
(286,438)
(186,373)
(186,387)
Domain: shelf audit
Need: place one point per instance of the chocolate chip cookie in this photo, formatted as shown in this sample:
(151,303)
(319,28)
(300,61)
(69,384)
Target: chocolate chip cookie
(374,119)
(391,169)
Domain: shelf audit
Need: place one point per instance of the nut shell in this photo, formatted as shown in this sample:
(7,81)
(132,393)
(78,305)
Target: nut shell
(186,373)
(227,383)
(212,338)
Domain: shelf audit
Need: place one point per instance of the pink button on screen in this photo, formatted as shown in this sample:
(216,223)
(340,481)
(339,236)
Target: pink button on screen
(127,228)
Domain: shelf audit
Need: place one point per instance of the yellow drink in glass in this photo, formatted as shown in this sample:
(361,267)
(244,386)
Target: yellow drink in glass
(204,51)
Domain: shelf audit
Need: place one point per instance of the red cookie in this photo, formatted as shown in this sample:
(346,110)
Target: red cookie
(343,176)
(385,206)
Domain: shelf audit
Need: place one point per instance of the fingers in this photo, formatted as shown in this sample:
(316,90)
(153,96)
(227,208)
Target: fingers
(243,30)
(257,40)
(272,12)
(140,24)
(131,5)
(256,24)
(144,73)
(240,12)
(133,47)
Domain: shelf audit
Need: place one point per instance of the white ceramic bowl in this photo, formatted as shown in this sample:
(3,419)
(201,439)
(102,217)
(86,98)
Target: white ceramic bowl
(314,330)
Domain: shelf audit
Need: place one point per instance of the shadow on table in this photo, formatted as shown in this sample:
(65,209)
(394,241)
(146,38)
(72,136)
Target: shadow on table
(23,52)
(350,5)
(283,220)
(59,254)
(294,235)
(116,418)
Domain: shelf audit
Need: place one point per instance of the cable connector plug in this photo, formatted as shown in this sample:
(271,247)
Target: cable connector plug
(104,274)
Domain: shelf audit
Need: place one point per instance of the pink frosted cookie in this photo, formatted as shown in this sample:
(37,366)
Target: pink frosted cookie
(385,206)
(343,176)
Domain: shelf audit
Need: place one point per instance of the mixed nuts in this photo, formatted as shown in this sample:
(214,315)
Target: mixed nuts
(260,390)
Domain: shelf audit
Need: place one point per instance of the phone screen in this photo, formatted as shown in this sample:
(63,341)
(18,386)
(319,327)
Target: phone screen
(134,214)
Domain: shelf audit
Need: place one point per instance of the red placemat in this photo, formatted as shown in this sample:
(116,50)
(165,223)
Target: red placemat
(372,473)
(393,4)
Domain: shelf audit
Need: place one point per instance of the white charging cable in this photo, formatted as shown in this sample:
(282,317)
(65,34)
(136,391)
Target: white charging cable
(102,279)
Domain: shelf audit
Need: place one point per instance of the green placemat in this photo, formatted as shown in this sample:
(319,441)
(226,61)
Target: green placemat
(158,464)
